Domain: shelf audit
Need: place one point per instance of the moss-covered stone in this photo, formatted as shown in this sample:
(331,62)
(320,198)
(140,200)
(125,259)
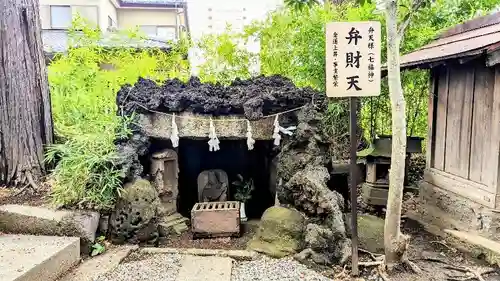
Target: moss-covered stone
(370,232)
(134,218)
(281,233)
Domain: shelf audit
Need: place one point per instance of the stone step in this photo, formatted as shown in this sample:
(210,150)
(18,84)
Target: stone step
(20,219)
(196,268)
(173,224)
(173,227)
(174,217)
(180,228)
(28,258)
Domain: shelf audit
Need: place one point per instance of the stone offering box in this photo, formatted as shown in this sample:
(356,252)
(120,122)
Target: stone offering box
(215,219)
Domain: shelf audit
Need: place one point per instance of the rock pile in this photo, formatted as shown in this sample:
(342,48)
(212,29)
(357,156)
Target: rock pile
(303,177)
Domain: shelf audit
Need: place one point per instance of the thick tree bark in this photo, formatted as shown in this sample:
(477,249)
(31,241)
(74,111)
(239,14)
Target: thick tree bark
(25,114)
(395,243)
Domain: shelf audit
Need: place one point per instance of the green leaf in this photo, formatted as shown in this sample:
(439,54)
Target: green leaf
(97,249)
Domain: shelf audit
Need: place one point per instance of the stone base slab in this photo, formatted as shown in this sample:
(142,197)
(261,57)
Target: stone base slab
(448,210)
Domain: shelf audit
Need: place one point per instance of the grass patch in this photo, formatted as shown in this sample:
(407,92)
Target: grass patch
(85,116)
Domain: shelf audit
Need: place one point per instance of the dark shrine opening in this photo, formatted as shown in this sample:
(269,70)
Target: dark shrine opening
(233,158)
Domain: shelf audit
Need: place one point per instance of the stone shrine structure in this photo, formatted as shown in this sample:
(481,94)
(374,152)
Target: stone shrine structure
(253,121)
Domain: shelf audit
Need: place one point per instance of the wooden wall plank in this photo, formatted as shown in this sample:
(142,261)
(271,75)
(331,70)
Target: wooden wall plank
(429,161)
(480,158)
(456,103)
(441,108)
(466,124)
(495,155)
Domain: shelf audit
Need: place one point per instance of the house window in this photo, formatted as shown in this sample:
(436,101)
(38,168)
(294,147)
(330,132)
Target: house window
(166,32)
(149,30)
(161,32)
(60,17)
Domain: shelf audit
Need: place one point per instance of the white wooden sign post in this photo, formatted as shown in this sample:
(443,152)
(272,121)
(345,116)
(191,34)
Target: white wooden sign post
(353,59)
(353,70)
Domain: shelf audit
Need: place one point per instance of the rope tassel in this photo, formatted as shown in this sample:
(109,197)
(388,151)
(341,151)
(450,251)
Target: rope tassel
(278,129)
(213,143)
(250,140)
(174,135)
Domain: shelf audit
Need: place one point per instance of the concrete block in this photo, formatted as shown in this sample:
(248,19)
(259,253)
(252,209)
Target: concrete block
(215,219)
(21,219)
(33,258)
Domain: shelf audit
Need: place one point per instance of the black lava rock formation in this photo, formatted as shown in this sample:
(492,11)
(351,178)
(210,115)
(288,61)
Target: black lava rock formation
(254,98)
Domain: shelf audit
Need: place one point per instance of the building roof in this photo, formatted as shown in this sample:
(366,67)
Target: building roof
(153,3)
(472,38)
(57,41)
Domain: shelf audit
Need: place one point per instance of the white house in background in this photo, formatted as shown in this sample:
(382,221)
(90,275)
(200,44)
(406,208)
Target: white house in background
(212,16)
(160,20)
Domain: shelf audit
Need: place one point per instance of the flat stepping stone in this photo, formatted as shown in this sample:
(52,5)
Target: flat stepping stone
(28,258)
(196,268)
(92,268)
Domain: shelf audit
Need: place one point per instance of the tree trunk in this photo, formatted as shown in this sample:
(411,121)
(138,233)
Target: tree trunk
(25,115)
(395,243)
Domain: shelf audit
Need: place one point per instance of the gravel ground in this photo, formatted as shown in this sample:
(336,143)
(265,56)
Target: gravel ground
(148,267)
(267,269)
(165,267)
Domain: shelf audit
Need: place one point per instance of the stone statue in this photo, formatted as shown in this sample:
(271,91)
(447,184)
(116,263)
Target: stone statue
(213,186)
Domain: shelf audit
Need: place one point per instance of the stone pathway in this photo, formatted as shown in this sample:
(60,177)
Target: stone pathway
(92,268)
(195,268)
(181,267)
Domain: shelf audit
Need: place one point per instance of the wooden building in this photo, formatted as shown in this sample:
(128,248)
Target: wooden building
(461,187)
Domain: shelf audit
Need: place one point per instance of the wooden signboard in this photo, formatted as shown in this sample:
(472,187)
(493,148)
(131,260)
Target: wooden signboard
(353,59)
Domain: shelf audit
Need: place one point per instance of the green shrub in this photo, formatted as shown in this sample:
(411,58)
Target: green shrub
(293,45)
(85,115)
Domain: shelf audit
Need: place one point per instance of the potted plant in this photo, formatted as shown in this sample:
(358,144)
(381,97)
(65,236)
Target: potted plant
(243,194)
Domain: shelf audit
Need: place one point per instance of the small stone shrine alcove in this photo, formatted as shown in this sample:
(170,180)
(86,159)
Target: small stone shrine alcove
(190,173)
(209,140)
(177,121)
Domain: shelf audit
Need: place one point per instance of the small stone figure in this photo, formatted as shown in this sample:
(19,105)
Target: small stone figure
(213,186)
